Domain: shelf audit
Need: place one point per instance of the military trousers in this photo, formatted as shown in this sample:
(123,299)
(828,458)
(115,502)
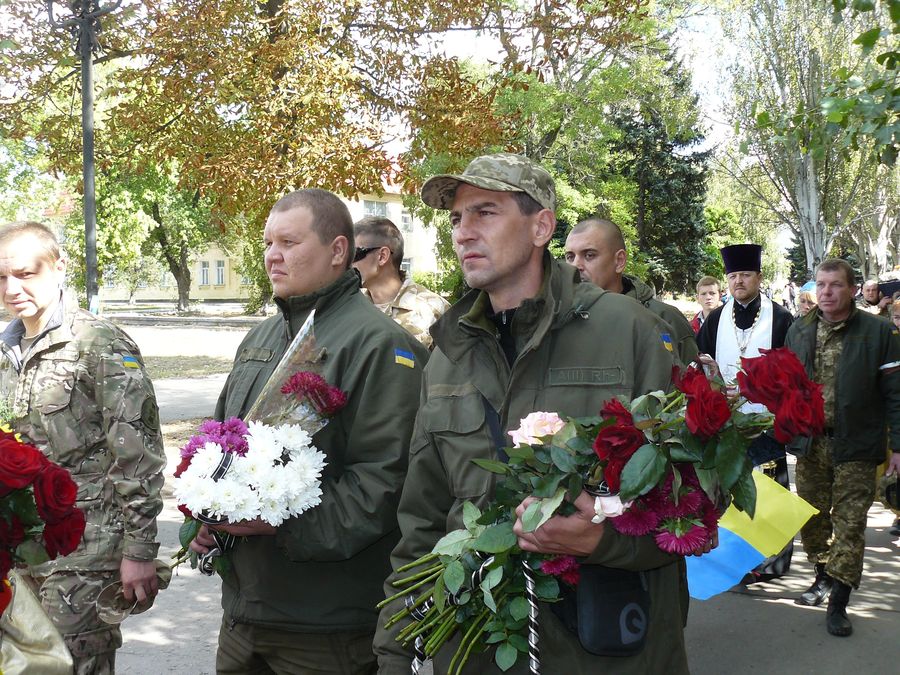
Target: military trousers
(245,649)
(843,493)
(69,598)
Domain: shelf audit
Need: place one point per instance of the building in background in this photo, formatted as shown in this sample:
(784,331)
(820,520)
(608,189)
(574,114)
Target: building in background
(215,276)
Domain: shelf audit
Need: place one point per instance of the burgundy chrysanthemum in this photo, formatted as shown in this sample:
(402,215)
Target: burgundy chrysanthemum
(692,539)
(636,521)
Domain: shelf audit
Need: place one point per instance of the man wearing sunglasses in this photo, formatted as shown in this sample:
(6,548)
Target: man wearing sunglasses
(379,254)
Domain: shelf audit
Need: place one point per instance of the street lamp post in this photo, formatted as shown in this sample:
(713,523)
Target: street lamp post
(83,23)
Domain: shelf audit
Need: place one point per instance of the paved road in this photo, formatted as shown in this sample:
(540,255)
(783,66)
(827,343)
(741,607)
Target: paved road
(181,399)
(746,631)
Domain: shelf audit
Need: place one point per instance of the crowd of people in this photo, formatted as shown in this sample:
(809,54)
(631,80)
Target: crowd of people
(430,388)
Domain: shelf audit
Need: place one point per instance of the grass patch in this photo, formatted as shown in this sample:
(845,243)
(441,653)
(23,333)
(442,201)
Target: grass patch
(163,367)
(176,434)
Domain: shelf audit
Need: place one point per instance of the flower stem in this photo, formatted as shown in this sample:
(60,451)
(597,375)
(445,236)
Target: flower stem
(469,639)
(416,563)
(673,403)
(418,575)
(435,575)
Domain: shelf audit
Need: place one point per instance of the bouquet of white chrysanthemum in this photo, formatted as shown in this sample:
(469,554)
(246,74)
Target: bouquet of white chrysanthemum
(272,475)
(265,469)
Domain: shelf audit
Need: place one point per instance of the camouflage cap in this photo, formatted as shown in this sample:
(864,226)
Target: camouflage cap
(502,172)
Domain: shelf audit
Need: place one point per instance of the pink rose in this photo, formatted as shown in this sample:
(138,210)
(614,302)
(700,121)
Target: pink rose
(534,426)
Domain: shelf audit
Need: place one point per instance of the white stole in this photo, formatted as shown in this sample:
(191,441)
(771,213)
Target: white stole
(728,351)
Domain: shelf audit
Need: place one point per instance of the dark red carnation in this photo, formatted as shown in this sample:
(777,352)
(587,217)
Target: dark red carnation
(19,463)
(63,537)
(327,400)
(54,493)
(12,533)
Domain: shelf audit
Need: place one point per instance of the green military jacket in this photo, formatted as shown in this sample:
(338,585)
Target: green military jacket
(867,386)
(578,346)
(80,395)
(682,334)
(323,571)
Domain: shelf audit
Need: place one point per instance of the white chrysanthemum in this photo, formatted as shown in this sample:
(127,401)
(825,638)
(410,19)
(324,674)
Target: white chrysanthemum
(306,500)
(263,442)
(249,468)
(246,504)
(272,511)
(206,459)
(306,467)
(201,496)
(293,437)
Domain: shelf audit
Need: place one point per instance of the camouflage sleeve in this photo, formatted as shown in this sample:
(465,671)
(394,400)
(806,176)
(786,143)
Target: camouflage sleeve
(131,422)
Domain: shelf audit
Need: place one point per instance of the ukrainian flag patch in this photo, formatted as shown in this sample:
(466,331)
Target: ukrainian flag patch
(130,362)
(667,341)
(404,358)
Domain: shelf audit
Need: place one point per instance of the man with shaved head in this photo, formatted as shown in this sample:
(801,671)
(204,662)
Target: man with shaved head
(596,248)
(872,301)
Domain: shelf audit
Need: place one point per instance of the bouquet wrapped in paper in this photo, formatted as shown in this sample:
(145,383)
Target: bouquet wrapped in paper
(266,467)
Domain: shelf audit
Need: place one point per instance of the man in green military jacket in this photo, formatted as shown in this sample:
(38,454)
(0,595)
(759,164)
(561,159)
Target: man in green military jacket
(856,358)
(596,247)
(529,337)
(302,596)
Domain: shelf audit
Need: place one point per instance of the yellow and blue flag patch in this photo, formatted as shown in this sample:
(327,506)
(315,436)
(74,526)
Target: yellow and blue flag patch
(404,358)
(667,341)
(130,362)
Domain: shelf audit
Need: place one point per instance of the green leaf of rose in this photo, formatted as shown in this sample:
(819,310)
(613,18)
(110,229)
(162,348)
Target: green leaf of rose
(471,514)
(32,552)
(642,472)
(518,608)
(492,578)
(188,531)
(731,456)
(453,576)
(506,656)
(563,459)
(489,601)
(496,538)
(744,493)
(492,465)
(453,543)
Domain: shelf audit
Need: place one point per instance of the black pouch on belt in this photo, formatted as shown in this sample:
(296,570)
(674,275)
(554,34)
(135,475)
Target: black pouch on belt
(609,611)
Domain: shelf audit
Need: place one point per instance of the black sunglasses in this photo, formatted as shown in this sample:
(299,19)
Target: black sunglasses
(363,251)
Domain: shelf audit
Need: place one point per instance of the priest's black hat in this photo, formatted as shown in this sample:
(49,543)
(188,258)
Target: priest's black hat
(742,258)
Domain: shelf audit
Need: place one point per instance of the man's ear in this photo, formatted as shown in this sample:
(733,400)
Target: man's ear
(543,227)
(621,259)
(340,252)
(384,256)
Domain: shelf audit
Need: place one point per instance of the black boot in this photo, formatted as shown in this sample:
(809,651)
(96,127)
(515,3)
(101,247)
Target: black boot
(821,587)
(837,621)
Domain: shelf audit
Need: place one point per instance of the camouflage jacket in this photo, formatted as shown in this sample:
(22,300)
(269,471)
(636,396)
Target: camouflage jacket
(81,395)
(415,308)
(865,403)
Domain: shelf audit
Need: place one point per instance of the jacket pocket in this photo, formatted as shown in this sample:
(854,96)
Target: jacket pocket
(457,425)
(60,425)
(238,400)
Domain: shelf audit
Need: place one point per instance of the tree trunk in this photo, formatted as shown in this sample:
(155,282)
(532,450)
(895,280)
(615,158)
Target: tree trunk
(176,258)
(809,211)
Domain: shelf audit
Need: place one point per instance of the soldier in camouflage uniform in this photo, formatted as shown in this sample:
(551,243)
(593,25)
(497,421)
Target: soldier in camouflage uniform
(378,256)
(79,393)
(856,357)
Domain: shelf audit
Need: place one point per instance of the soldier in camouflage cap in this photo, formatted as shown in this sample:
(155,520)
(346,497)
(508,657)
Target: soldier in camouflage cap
(502,172)
(78,392)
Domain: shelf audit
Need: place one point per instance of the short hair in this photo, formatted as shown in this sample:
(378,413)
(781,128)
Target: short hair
(895,305)
(385,233)
(330,216)
(870,283)
(528,205)
(50,249)
(809,296)
(611,231)
(708,281)
(838,265)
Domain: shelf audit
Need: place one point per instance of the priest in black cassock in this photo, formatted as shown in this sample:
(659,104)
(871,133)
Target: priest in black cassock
(748,322)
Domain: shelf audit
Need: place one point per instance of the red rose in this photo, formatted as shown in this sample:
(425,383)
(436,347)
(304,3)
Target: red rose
(182,466)
(799,415)
(764,379)
(185,510)
(12,533)
(618,441)
(6,563)
(707,408)
(612,474)
(614,408)
(19,463)
(63,537)
(54,493)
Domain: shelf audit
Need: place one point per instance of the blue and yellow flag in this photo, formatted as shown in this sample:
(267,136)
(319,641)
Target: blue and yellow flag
(667,341)
(744,542)
(404,358)
(130,362)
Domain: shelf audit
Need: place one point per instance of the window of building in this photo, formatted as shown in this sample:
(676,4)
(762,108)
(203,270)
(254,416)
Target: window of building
(246,280)
(373,208)
(204,273)
(406,265)
(406,222)
(220,272)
